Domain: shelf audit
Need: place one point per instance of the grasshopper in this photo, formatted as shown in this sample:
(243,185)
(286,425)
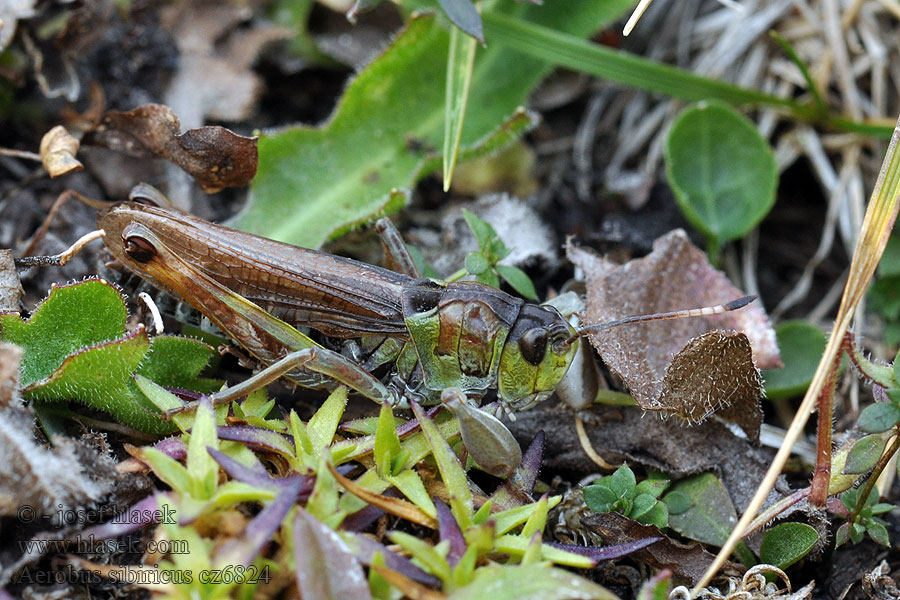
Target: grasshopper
(433,341)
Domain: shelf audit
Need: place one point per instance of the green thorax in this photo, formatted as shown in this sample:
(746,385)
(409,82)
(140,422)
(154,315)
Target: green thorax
(458,331)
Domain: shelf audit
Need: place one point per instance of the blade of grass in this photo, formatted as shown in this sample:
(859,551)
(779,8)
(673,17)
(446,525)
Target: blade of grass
(876,229)
(460,65)
(571,52)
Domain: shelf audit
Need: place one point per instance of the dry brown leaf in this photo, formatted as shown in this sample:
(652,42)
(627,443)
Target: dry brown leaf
(10,12)
(687,561)
(625,434)
(11,292)
(214,77)
(676,275)
(58,150)
(714,374)
(214,156)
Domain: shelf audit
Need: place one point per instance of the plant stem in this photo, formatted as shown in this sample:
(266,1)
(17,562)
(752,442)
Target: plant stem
(818,491)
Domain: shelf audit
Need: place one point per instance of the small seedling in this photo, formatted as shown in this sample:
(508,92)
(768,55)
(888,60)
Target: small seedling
(620,492)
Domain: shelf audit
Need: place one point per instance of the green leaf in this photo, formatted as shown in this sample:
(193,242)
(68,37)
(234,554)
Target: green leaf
(201,466)
(452,473)
(476,263)
(324,423)
(641,506)
(884,297)
(889,266)
(423,552)
(722,171)
(342,173)
(518,280)
(538,519)
(622,482)
(387,444)
(489,278)
(509,519)
(711,515)
(879,417)
(865,453)
(410,485)
(879,534)
(600,498)
(71,318)
(174,361)
(460,63)
(656,588)
(677,501)
(785,544)
(657,515)
(323,502)
(530,582)
(76,349)
(801,345)
(169,470)
(653,486)
(483,231)
(882,507)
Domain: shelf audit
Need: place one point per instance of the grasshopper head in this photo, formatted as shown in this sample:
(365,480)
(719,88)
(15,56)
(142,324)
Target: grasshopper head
(535,357)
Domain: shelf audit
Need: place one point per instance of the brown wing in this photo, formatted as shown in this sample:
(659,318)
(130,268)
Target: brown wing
(338,296)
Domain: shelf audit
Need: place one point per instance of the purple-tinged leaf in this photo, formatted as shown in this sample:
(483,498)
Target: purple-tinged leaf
(244,547)
(450,531)
(258,438)
(186,395)
(173,447)
(138,515)
(835,506)
(516,489)
(606,552)
(244,474)
(364,517)
(326,569)
(365,548)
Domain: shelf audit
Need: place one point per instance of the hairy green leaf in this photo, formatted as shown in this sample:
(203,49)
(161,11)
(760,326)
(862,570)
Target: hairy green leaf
(316,183)
(865,453)
(879,417)
(785,544)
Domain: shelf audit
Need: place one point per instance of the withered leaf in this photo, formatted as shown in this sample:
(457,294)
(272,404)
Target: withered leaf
(714,374)
(624,434)
(58,149)
(11,292)
(214,156)
(687,561)
(675,276)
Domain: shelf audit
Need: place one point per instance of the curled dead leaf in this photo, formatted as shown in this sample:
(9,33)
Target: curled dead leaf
(670,366)
(214,156)
(58,149)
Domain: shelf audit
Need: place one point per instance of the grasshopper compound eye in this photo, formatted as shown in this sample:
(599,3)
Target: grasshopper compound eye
(533,344)
(138,248)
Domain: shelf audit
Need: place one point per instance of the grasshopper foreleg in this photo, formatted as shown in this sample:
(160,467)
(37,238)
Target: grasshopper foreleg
(489,442)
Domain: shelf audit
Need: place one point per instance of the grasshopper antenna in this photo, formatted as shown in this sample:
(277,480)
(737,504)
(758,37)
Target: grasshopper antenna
(62,258)
(694,312)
